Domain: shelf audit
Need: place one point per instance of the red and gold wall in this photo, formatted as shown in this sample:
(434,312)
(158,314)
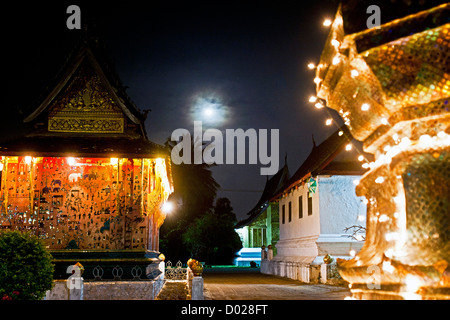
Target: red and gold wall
(85,203)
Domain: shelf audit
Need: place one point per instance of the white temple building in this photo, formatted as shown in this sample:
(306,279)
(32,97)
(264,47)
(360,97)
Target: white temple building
(316,206)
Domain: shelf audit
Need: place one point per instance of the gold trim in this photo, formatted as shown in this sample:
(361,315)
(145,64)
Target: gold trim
(86,125)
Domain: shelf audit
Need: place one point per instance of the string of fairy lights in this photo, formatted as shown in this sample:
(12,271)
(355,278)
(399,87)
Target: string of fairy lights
(321,105)
(425,141)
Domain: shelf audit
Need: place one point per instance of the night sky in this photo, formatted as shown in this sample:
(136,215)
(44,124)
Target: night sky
(246,58)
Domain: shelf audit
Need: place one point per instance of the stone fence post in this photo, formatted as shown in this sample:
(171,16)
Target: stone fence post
(269,252)
(196,285)
(197,288)
(162,268)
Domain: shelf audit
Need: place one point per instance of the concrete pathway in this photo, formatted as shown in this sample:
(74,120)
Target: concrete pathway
(252,285)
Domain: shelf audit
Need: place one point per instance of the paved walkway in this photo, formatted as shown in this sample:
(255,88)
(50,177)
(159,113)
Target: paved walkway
(252,285)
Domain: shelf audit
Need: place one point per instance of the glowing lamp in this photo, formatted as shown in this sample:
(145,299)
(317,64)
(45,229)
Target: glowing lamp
(354,73)
(327,22)
(335,43)
(312,99)
(379,180)
(336,60)
(365,107)
(167,207)
(70,161)
(319,105)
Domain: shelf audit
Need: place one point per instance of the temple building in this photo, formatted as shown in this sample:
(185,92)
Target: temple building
(261,227)
(316,206)
(84,175)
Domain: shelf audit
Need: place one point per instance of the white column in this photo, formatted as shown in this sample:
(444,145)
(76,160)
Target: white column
(269,224)
(197,288)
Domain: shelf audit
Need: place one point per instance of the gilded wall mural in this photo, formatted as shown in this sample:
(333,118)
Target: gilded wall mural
(86,203)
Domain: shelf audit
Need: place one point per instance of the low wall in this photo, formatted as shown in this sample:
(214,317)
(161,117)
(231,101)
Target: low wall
(107,290)
(293,270)
(304,272)
(122,290)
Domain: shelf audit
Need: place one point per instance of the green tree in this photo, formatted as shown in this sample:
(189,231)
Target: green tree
(171,239)
(26,269)
(212,238)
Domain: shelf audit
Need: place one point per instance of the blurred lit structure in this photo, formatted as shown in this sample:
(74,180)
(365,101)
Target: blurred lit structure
(261,227)
(391,85)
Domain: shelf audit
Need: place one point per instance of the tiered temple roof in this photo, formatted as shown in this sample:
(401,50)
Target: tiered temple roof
(86,112)
(272,186)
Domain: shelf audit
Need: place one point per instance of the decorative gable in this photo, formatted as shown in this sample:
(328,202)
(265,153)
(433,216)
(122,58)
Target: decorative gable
(85,106)
(86,112)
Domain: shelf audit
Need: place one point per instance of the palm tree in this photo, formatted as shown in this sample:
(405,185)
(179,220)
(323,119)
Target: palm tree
(194,185)
(194,192)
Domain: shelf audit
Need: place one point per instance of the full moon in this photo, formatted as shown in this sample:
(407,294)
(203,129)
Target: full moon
(209,108)
(208,111)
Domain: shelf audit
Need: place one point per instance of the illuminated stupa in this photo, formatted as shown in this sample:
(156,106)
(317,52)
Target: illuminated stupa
(391,85)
